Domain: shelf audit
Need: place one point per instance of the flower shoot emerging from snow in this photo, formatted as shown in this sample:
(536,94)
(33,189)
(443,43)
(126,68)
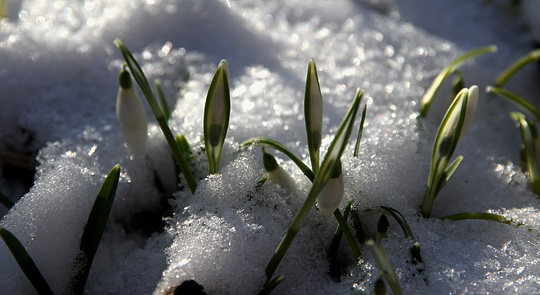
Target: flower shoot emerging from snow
(131,115)
(216,115)
(530,149)
(457,120)
(313,111)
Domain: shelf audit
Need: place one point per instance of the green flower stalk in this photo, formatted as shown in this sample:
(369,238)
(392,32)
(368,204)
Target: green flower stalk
(332,193)
(313,111)
(457,120)
(516,66)
(131,115)
(216,115)
(276,174)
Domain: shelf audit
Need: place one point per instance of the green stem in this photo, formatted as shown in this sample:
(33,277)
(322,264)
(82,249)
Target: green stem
(516,66)
(270,143)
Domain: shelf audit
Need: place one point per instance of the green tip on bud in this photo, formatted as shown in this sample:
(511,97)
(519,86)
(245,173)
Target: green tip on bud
(125,78)
(415,252)
(383,224)
(338,170)
(269,162)
(380,287)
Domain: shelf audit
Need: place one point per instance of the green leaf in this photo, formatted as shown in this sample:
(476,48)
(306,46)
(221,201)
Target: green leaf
(448,173)
(427,100)
(217,110)
(183,144)
(328,167)
(5,201)
(25,262)
(270,286)
(386,267)
(516,66)
(529,134)
(270,143)
(348,233)
(141,80)
(481,216)
(444,146)
(518,100)
(338,234)
(162,101)
(313,111)
(95,226)
(360,131)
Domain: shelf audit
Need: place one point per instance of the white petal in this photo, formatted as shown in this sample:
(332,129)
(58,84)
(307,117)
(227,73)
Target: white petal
(331,195)
(282,177)
(132,120)
(472,102)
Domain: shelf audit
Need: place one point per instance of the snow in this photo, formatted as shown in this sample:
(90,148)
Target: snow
(59,82)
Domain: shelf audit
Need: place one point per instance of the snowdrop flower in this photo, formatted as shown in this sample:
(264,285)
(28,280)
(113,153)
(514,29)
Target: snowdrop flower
(217,110)
(276,174)
(131,116)
(331,195)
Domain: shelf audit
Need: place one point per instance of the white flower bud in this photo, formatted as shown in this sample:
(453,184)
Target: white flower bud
(472,102)
(331,195)
(276,174)
(131,116)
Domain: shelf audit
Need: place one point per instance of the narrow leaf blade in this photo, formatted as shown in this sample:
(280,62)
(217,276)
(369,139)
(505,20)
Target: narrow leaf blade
(516,99)
(95,225)
(480,216)
(431,92)
(25,262)
(386,267)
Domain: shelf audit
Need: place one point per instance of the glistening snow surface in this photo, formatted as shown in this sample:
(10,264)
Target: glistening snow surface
(59,81)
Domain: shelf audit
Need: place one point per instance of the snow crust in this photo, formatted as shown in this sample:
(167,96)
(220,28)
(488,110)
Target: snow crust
(59,75)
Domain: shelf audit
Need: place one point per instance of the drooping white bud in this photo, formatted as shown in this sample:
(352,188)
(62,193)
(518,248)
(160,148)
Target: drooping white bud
(276,174)
(131,116)
(331,195)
